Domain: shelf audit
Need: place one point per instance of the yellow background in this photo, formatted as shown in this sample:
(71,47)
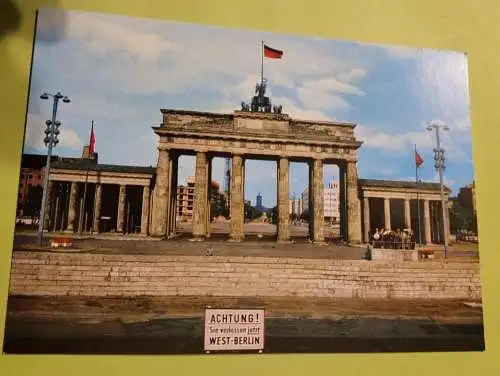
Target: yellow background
(472,26)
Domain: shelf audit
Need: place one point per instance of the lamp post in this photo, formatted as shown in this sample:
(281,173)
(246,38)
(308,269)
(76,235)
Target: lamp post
(50,140)
(439,164)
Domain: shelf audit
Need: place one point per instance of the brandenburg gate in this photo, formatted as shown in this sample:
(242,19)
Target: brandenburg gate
(256,135)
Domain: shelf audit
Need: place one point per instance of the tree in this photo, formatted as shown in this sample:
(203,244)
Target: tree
(461,218)
(33,201)
(273,214)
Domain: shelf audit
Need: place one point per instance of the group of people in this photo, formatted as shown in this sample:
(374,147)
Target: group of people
(387,238)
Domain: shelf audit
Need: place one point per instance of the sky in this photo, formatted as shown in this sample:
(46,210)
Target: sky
(120,71)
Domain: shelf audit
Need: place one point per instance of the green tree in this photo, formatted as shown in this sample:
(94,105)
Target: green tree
(461,218)
(33,201)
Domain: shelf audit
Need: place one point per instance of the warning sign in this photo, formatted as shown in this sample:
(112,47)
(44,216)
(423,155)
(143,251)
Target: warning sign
(229,329)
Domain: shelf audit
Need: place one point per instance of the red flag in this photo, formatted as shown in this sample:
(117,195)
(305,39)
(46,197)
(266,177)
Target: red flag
(272,53)
(91,142)
(418,159)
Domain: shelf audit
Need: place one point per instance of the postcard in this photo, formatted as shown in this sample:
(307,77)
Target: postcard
(192,189)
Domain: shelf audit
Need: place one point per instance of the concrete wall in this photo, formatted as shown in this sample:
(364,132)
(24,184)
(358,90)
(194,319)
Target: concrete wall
(57,273)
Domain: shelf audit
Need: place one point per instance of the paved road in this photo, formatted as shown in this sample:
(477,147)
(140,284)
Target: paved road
(283,335)
(174,325)
(217,244)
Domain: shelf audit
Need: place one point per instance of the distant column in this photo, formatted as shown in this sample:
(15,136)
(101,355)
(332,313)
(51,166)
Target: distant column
(387,213)
(97,208)
(283,200)
(145,210)
(160,218)
(209,197)
(200,197)
(353,205)
(342,201)
(427,222)
(172,206)
(447,223)
(407,214)
(72,206)
(237,201)
(310,200)
(318,205)
(120,219)
(48,206)
(366,218)
(56,211)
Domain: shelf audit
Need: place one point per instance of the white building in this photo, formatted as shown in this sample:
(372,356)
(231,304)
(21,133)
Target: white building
(331,203)
(296,206)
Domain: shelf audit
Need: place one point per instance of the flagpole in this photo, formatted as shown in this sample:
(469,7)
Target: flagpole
(262,63)
(418,200)
(82,206)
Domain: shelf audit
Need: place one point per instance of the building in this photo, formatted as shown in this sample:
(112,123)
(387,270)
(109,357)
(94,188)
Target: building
(258,203)
(186,195)
(331,208)
(467,198)
(185,200)
(296,206)
(140,199)
(331,202)
(29,196)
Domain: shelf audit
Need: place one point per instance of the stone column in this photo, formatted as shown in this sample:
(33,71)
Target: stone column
(200,197)
(310,199)
(283,200)
(120,218)
(353,207)
(48,206)
(160,218)
(209,198)
(447,223)
(237,203)
(72,206)
(366,218)
(407,214)
(172,206)
(97,208)
(318,205)
(145,210)
(387,213)
(56,212)
(342,202)
(427,222)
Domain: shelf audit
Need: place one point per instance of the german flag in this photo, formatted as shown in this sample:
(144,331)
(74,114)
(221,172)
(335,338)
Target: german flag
(272,53)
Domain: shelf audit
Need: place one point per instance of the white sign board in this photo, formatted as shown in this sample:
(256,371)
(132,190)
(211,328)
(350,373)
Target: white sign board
(234,329)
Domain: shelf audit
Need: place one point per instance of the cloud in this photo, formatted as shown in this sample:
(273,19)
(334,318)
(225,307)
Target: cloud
(352,74)
(105,34)
(456,141)
(373,137)
(299,112)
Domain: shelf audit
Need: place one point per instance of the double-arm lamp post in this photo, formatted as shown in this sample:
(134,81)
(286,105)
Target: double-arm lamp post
(439,164)
(50,140)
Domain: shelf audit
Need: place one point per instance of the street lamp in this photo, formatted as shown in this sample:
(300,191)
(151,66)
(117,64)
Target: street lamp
(50,140)
(439,164)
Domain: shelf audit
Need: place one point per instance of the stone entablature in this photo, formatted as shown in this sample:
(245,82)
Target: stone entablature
(265,134)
